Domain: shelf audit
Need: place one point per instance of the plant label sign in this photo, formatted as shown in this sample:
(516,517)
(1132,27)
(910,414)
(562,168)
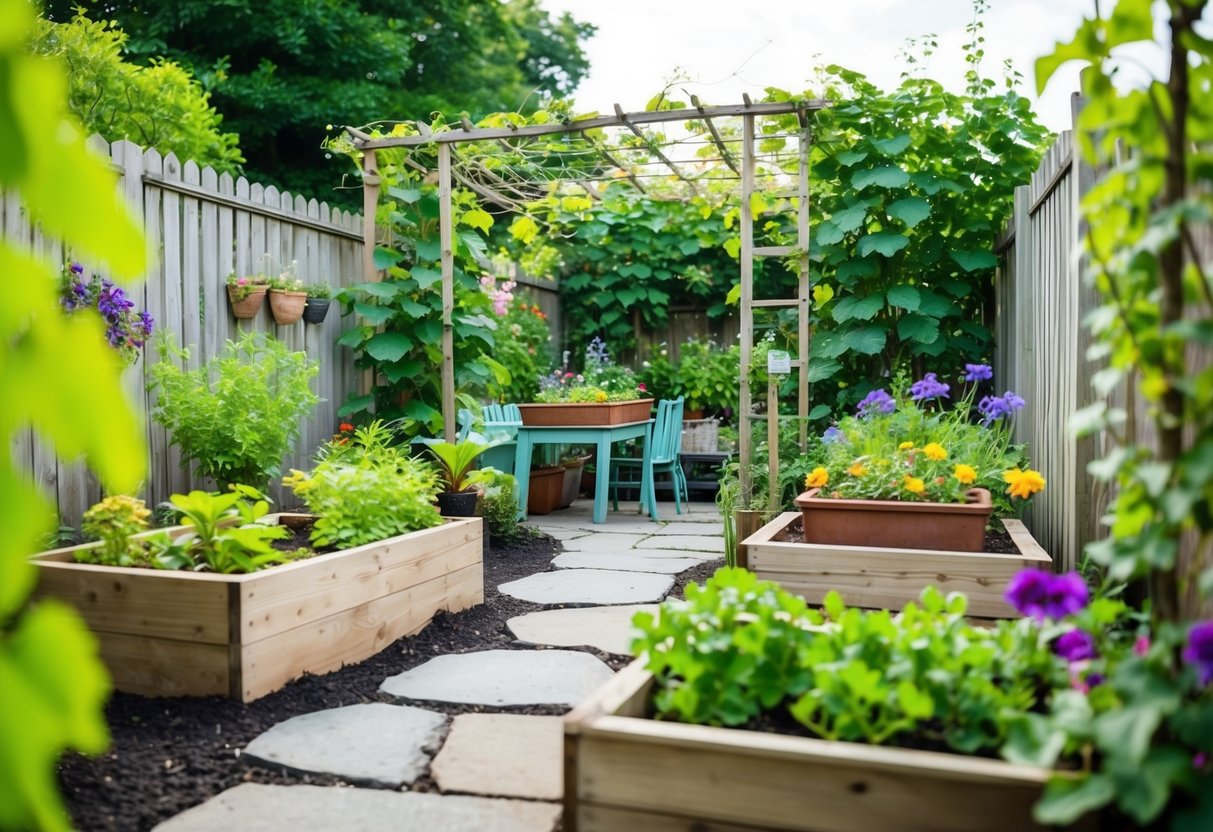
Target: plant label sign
(778,361)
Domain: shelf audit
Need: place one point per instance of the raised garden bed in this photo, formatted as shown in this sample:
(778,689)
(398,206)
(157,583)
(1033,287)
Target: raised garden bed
(573,414)
(625,771)
(169,633)
(887,578)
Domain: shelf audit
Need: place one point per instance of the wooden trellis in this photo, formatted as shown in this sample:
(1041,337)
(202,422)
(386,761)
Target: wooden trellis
(496,188)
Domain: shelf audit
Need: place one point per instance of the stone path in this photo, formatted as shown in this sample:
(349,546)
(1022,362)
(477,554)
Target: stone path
(497,772)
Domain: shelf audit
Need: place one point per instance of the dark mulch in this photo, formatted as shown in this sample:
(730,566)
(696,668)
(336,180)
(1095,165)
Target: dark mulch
(997,542)
(167,755)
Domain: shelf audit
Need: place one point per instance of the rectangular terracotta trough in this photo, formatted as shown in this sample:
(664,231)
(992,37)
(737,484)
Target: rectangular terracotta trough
(172,633)
(880,577)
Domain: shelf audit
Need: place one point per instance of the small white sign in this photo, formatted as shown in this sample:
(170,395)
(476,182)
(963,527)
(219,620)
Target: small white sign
(778,361)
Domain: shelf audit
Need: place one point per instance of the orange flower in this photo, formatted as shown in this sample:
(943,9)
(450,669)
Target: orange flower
(965,474)
(346,427)
(857,469)
(906,446)
(1023,484)
(914,485)
(935,451)
(817,478)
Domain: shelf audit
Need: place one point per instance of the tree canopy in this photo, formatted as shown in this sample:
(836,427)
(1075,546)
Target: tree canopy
(280,70)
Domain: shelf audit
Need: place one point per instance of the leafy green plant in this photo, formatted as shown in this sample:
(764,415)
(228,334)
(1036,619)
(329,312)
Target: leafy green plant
(456,460)
(236,417)
(58,377)
(364,488)
(114,521)
(241,287)
(707,376)
(318,291)
(499,505)
(226,533)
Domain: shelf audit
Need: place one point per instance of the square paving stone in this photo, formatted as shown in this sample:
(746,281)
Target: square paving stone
(374,743)
(502,677)
(603,542)
(589,586)
(684,542)
(662,561)
(256,807)
(607,628)
(503,755)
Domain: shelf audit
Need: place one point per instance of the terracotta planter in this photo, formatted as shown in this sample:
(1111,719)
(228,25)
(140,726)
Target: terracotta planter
(316,310)
(177,633)
(287,306)
(547,487)
(570,414)
(953,527)
(623,770)
(249,305)
(882,577)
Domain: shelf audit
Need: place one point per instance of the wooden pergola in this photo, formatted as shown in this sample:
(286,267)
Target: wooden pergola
(495,188)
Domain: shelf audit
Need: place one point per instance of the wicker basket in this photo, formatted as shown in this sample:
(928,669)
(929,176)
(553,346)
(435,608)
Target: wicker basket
(699,436)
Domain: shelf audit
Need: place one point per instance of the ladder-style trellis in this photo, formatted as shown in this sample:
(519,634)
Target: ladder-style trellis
(512,181)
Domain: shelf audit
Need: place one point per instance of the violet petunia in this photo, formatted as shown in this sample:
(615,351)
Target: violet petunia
(1199,650)
(978,372)
(1075,646)
(929,387)
(1041,595)
(878,401)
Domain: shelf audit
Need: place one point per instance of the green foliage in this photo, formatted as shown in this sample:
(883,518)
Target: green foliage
(366,488)
(114,521)
(707,376)
(236,417)
(58,376)
(226,533)
(456,460)
(499,504)
(279,70)
(160,105)
(523,346)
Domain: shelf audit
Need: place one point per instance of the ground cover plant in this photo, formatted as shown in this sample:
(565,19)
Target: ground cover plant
(234,418)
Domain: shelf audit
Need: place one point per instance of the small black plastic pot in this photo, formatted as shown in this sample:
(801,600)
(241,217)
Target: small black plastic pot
(316,309)
(457,503)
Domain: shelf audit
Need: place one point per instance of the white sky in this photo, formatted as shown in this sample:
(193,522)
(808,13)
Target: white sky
(736,46)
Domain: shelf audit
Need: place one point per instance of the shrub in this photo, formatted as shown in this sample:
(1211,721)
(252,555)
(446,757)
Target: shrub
(236,417)
(113,521)
(499,505)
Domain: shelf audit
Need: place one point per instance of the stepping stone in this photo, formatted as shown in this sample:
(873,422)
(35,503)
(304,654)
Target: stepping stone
(564,534)
(256,807)
(603,542)
(377,743)
(702,527)
(502,677)
(696,543)
(589,586)
(607,628)
(658,560)
(503,755)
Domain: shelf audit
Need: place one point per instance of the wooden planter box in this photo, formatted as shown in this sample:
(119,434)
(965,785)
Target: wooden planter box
(624,771)
(169,633)
(886,578)
(570,414)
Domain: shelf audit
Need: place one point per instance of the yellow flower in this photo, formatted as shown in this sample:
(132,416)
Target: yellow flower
(914,485)
(857,469)
(965,473)
(600,396)
(935,451)
(906,446)
(1023,484)
(817,478)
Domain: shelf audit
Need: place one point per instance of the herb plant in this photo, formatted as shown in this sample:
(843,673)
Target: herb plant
(236,417)
(364,488)
(226,533)
(114,521)
(456,460)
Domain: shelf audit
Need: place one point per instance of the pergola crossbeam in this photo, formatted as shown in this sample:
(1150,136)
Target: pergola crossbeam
(656,151)
(727,156)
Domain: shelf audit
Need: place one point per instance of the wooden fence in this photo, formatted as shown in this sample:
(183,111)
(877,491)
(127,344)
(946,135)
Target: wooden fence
(1042,301)
(200,227)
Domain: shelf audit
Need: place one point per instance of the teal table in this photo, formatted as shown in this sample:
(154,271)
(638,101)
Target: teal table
(602,436)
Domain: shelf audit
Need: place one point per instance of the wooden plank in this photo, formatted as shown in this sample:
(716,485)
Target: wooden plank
(352,635)
(226,246)
(745,441)
(445,223)
(213,292)
(287,596)
(594,818)
(191,272)
(160,667)
(158,475)
(803,288)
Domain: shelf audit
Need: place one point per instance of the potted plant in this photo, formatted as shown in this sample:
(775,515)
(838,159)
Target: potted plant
(246,294)
(901,497)
(319,297)
(288,296)
(605,394)
(224,604)
(455,461)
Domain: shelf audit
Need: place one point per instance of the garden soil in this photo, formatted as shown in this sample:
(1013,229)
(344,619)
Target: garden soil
(167,755)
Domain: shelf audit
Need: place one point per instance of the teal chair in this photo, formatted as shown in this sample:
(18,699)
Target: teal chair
(497,418)
(667,442)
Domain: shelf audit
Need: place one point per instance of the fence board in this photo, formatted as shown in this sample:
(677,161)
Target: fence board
(200,227)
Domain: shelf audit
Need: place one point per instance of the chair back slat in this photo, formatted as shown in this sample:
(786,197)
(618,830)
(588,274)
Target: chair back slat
(667,431)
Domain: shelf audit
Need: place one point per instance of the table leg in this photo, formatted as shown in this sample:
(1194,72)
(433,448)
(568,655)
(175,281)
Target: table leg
(647,489)
(522,471)
(602,476)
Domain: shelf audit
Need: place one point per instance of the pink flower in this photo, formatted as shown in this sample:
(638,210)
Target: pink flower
(1142,645)
(641,387)
(242,281)
(568,375)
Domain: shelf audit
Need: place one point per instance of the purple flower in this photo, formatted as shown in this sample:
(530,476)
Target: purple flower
(1141,646)
(1042,596)
(978,372)
(833,436)
(77,268)
(878,401)
(1075,646)
(1199,650)
(929,387)
(146,322)
(113,303)
(995,407)
(115,335)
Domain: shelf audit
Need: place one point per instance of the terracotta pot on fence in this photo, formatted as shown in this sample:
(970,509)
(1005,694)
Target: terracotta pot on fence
(249,305)
(287,306)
